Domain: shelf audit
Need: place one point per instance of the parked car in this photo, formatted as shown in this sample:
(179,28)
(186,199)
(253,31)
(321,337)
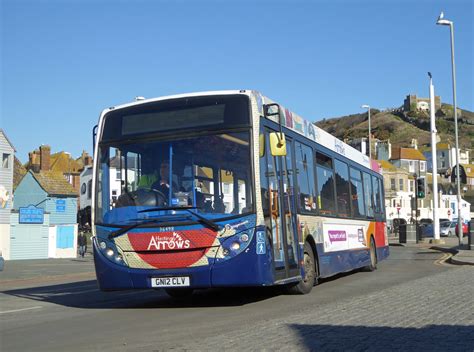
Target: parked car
(465,229)
(444,228)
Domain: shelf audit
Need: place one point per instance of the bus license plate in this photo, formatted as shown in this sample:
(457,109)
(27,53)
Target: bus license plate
(175,281)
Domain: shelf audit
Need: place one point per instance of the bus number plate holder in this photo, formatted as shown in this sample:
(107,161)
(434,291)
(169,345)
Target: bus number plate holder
(170,281)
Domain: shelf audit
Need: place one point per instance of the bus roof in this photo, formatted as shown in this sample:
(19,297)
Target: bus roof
(306,128)
(177,96)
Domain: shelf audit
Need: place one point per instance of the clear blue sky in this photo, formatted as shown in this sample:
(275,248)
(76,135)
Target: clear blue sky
(62,62)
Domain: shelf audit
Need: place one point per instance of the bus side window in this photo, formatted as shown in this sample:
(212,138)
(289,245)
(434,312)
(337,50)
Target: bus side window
(305,178)
(369,196)
(263,177)
(357,192)
(325,178)
(382,198)
(376,195)
(342,189)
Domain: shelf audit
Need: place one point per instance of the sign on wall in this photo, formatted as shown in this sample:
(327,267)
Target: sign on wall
(60,205)
(31,215)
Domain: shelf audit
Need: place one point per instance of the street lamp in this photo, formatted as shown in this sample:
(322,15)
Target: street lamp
(443,22)
(370,130)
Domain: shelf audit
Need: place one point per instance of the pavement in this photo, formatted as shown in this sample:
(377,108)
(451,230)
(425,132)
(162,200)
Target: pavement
(460,253)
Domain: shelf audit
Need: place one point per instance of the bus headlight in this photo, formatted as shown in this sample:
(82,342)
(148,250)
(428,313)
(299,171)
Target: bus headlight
(234,245)
(111,251)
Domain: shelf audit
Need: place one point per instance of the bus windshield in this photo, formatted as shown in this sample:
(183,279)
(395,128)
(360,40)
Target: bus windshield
(210,172)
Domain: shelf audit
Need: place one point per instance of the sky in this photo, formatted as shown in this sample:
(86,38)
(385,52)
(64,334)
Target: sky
(63,61)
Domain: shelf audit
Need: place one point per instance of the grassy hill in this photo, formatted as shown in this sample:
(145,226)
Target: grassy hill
(401,127)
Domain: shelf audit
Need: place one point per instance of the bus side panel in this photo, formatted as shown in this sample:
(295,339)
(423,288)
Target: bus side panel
(332,263)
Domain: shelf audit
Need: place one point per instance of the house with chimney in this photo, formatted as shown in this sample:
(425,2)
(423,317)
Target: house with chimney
(44,217)
(61,162)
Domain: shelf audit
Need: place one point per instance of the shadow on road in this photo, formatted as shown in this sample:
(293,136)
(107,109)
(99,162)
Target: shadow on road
(86,295)
(363,338)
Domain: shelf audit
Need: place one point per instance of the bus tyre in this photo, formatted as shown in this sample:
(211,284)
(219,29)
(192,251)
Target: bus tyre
(179,292)
(373,256)
(305,285)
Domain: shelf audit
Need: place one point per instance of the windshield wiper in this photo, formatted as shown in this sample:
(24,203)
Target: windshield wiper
(131,227)
(200,218)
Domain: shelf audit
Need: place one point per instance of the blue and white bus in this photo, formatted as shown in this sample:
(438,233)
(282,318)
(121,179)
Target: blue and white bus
(228,188)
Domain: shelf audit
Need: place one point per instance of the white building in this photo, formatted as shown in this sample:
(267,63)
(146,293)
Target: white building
(451,201)
(6,191)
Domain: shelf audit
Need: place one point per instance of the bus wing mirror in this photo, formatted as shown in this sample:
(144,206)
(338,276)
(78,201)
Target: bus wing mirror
(277,144)
(271,109)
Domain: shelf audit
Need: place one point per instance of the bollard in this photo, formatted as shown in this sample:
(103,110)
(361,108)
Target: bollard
(411,233)
(402,233)
(470,236)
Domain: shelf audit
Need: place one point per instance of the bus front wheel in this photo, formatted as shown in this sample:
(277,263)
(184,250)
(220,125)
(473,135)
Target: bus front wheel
(305,286)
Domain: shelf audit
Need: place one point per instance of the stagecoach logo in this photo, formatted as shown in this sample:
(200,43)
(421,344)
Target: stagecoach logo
(337,236)
(174,241)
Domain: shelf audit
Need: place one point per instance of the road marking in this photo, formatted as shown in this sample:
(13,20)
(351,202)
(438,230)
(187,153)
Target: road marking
(443,259)
(20,310)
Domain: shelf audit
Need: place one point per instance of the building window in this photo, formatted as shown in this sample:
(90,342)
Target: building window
(6,161)
(392,184)
(422,166)
(400,184)
(89,189)
(118,174)
(226,188)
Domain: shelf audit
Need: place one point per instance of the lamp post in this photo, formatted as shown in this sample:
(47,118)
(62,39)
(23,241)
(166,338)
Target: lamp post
(443,22)
(370,130)
(433,132)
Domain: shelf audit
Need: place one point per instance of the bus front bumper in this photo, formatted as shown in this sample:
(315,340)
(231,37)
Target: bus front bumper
(245,269)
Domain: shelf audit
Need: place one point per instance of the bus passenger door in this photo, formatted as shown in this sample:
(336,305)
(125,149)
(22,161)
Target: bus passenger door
(277,180)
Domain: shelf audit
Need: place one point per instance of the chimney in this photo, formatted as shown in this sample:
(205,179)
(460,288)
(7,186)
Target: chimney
(34,161)
(45,157)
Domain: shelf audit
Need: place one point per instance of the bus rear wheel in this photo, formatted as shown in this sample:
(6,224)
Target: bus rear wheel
(373,256)
(305,286)
(179,292)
